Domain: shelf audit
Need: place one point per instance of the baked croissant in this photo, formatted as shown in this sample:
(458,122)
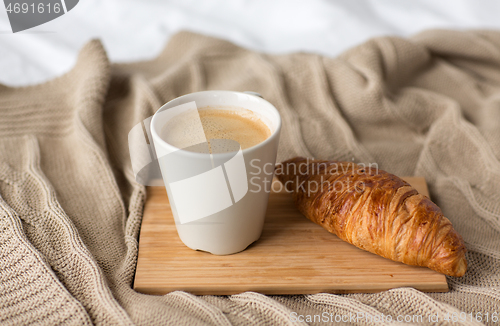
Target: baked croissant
(375,211)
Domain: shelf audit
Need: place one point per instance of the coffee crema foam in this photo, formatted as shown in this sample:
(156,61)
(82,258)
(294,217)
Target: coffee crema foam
(241,125)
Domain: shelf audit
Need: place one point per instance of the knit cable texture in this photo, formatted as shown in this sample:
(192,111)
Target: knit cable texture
(70,209)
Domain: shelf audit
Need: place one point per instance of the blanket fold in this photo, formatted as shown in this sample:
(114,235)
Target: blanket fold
(70,209)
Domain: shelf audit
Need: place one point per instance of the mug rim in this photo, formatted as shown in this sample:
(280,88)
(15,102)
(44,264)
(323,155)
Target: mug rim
(274,134)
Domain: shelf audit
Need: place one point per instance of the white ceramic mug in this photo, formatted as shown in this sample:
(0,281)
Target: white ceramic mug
(238,225)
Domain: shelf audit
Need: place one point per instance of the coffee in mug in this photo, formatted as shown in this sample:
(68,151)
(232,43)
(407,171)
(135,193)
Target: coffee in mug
(238,124)
(218,193)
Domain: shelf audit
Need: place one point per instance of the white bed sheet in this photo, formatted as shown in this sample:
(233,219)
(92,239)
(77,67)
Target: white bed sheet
(136,30)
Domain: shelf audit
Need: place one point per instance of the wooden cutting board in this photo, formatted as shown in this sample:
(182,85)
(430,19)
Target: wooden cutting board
(293,256)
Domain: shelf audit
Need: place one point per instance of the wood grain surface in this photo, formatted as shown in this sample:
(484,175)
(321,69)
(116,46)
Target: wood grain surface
(293,256)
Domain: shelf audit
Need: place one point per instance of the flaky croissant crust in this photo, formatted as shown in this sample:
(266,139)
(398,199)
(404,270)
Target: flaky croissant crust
(375,211)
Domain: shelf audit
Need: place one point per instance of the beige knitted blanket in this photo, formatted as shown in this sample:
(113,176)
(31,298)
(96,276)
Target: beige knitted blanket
(70,210)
